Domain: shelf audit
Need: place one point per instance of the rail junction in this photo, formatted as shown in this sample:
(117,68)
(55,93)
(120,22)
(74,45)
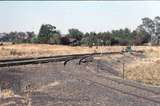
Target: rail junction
(74,80)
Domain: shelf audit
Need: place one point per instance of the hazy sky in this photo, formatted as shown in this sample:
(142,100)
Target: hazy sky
(84,15)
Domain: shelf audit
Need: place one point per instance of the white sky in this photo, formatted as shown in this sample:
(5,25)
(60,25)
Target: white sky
(84,15)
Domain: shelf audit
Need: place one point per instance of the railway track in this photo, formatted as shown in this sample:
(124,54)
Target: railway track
(123,81)
(124,92)
(35,61)
(118,86)
(59,58)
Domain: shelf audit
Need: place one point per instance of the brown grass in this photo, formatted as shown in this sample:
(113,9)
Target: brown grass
(34,50)
(6,93)
(146,72)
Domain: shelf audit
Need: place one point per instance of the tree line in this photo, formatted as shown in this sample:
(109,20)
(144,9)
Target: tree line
(147,32)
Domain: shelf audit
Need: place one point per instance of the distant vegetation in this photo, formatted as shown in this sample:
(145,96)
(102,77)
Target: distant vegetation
(147,32)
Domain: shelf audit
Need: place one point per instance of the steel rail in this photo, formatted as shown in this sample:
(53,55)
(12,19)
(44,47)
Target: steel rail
(121,81)
(33,61)
(45,57)
(85,78)
(59,58)
(124,92)
(129,84)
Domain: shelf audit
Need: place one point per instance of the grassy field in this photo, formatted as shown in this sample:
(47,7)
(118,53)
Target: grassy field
(34,50)
(146,70)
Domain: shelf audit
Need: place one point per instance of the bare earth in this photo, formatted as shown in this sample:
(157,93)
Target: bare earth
(54,84)
(97,83)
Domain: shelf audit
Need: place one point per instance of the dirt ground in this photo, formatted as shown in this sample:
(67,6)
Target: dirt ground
(89,84)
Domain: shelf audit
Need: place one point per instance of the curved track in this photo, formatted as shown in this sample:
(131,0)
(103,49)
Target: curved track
(120,86)
(124,92)
(124,82)
(37,60)
(116,84)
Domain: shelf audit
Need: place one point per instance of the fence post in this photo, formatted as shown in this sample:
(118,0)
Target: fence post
(123,70)
(0,92)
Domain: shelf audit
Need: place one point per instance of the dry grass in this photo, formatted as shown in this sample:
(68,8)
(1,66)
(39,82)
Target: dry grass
(34,50)
(6,93)
(149,51)
(146,72)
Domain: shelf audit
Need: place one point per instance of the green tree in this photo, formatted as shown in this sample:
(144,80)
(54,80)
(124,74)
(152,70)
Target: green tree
(140,36)
(75,33)
(46,32)
(152,27)
(55,39)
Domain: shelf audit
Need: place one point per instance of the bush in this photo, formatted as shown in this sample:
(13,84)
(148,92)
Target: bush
(65,40)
